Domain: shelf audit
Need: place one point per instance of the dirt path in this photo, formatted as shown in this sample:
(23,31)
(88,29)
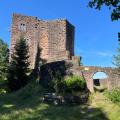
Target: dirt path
(109,109)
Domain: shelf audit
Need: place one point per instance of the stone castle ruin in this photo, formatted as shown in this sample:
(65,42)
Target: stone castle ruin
(55,38)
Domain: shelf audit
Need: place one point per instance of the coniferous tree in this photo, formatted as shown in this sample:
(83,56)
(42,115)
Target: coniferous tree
(19,66)
(4,53)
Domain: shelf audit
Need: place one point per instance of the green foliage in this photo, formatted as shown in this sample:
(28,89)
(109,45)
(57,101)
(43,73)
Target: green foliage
(68,85)
(74,83)
(80,61)
(3,60)
(114,95)
(25,104)
(2,91)
(113,5)
(58,85)
(116,60)
(19,66)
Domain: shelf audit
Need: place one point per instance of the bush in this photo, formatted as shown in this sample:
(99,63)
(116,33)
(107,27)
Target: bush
(70,85)
(74,84)
(2,91)
(114,95)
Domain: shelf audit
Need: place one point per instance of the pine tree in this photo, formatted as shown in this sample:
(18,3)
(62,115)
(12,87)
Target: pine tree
(19,66)
(4,53)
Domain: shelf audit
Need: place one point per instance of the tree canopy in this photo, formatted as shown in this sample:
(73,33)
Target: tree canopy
(4,52)
(113,5)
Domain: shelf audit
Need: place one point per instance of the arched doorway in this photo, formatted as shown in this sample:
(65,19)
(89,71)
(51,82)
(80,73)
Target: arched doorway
(100,79)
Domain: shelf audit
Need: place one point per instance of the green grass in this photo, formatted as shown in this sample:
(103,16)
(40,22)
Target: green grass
(111,109)
(25,104)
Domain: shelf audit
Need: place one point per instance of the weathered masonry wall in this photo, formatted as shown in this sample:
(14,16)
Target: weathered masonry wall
(69,68)
(55,38)
(112,81)
(30,34)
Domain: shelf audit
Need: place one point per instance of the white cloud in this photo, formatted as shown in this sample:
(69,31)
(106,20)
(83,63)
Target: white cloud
(95,53)
(104,54)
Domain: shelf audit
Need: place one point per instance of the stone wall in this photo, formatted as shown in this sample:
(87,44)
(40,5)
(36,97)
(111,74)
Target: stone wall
(67,68)
(52,71)
(55,38)
(70,38)
(56,41)
(111,82)
(30,34)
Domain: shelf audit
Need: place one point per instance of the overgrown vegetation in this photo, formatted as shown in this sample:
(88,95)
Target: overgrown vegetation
(74,84)
(69,85)
(4,53)
(52,73)
(19,66)
(25,104)
(114,95)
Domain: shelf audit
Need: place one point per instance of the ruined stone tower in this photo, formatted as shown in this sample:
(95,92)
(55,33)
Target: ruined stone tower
(55,38)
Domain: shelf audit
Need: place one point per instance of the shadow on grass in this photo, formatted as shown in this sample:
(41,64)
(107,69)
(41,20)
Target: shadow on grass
(25,104)
(27,97)
(68,113)
(33,110)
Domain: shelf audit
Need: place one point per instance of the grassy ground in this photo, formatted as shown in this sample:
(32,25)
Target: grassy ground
(25,104)
(111,110)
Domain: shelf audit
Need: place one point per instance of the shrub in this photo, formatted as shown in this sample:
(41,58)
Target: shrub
(2,91)
(74,84)
(57,84)
(71,84)
(114,95)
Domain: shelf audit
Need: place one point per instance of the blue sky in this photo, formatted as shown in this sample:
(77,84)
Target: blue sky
(100,75)
(95,34)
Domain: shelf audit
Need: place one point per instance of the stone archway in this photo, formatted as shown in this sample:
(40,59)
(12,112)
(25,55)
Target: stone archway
(100,79)
(89,71)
